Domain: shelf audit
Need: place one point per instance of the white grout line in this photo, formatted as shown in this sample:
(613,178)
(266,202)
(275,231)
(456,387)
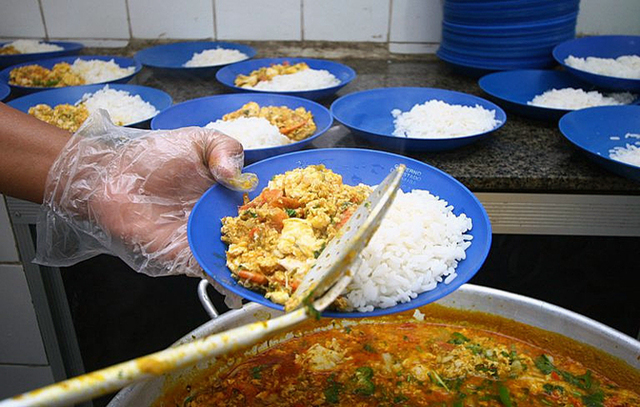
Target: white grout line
(44,22)
(215,21)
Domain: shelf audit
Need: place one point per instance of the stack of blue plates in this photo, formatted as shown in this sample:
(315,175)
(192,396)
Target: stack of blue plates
(482,36)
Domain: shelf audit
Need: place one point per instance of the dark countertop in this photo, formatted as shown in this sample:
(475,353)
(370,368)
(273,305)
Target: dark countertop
(524,155)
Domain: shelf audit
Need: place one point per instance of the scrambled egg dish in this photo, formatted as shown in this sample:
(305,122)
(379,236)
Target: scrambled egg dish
(9,50)
(276,237)
(296,124)
(67,117)
(267,73)
(39,77)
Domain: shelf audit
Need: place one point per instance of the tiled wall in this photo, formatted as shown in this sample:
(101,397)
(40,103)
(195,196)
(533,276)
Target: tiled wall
(406,25)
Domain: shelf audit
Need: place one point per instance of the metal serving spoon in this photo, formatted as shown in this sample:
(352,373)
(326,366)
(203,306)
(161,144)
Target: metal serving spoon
(326,280)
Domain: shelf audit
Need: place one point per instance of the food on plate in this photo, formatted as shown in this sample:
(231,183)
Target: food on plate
(287,77)
(123,107)
(277,236)
(572,99)
(215,56)
(625,66)
(28,47)
(62,74)
(438,119)
(440,357)
(267,126)
(630,153)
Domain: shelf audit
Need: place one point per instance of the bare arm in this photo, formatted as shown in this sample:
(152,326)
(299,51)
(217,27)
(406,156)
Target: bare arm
(28,148)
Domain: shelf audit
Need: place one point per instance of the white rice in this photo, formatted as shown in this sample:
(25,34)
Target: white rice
(417,246)
(122,106)
(626,66)
(216,56)
(96,71)
(33,46)
(251,132)
(630,154)
(572,99)
(307,79)
(437,119)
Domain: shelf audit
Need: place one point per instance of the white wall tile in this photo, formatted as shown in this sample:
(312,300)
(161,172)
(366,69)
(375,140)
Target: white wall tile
(8,250)
(19,379)
(597,17)
(346,20)
(416,21)
(21,19)
(171,19)
(20,339)
(105,19)
(258,20)
(413,47)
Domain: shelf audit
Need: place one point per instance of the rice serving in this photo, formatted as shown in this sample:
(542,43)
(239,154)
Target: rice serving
(251,132)
(630,154)
(32,46)
(96,71)
(437,119)
(307,79)
(626,66)
(216,56)
(572,99)
(418,245)
(123,107)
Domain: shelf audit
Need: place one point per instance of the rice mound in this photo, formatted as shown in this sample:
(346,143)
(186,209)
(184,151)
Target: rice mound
(33,46)
(630,154)
(96,71)
(418,245)
(251,132)
(625,66)
(437,119)
(307,79)
(571,99)
(123,107)
(215,56)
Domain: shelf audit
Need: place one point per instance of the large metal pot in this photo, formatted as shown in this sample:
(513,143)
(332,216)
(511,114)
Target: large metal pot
(468,297)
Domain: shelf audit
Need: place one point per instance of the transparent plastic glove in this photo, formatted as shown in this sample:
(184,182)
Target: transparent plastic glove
(129,192)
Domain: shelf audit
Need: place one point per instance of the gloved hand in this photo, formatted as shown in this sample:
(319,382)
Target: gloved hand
(129,192)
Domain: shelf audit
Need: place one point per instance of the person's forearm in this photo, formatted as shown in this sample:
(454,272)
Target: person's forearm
(28,148)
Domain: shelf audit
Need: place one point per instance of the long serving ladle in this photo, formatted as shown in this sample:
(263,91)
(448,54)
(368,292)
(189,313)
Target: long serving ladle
(326,280)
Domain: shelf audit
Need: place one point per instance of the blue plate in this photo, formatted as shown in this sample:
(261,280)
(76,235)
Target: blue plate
(202,111)
(5,90)
(228,74)
(356,166)
(69,48)
(591,130)
(514,89)
(170,58)
(72,94)
(368,115)
(123,62)
(603,46)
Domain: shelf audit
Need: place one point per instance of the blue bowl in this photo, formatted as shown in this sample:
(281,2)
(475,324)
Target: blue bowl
(368,115)
(565,22)
(514,89)
(603,46)
(476,67)
(69,48)
(514,12)
(123,62)
(356,166)
(5,90)
(72,94)
(170,58)
(228,74)
(202,111)
(591,130)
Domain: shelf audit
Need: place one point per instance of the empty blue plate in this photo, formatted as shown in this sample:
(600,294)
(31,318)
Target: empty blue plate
(68,48)
(345,74)
(368,115)
(202,111)
(597,130)
(72,94)
(356,166)
(170,58)
(602,46)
